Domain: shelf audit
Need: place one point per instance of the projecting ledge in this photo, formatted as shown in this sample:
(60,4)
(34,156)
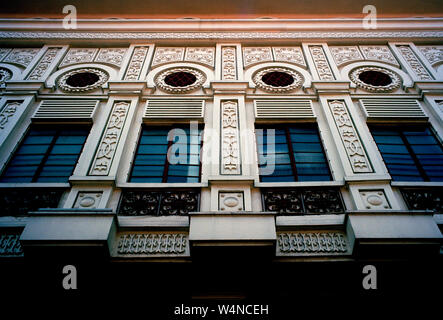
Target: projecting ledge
(244,228)
(404,233)
(57,227)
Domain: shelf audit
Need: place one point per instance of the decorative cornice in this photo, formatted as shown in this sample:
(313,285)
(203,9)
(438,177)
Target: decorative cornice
(302,35)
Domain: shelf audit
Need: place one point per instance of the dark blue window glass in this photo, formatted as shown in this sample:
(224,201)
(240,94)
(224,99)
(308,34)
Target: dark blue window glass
(168,154)
(293,153)
(410,154)
(46,155)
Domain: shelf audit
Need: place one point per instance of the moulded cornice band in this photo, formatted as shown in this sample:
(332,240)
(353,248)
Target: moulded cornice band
(14,35)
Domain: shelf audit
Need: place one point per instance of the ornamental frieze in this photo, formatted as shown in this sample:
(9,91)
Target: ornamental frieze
(7,112)
(321,63)
(379,53)
(44,64)
(78,55)
(434,54)
(152,244)
(136,63)
(229,63)
(109,141)
(311,243)
(413,62)
(230,138)
(21,56)
(345,54)
(348,134)
(299,35)
(10,245)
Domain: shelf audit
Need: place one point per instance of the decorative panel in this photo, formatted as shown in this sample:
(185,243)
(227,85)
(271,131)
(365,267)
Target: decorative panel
(43,65)
(254,55)
(167,55)
(229,63)
(287,201)
(10,245)
(8,111)
(112,56)
(18,202)
(289,54)
(21,56)
(174,109)
(345,54)
(66,109)
(392,108)
(379,53)
(349,137)
(4,52)
(374,199)
(311,243)
(88,199)
(78,55)
(203,55)
(159,203)
(136,63)
(230,138)
(5,75)
(278,109)
(424,199)
(152,244)
(434,54)
(321,63)
(231,201)
(413,62)
(109,141)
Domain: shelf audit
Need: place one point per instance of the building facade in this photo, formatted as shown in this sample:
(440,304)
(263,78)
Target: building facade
(222,159)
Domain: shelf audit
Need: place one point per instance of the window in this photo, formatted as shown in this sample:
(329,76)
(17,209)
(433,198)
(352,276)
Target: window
(151,163)
(411,154)
(297,151)
(47,154)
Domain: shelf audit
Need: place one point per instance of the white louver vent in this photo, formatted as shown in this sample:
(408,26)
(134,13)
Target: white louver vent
(66,110)
(162,109)
(378,109)
(277,109)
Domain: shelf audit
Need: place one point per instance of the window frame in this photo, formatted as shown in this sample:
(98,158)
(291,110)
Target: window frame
(58,127)
(399,128)
(285,126)
(166,164)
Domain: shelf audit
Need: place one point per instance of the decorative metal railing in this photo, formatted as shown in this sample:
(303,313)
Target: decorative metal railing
(424,199)
(159,202)
(18,202)
(300,201)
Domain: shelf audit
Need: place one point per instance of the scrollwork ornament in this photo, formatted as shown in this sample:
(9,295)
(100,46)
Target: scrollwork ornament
(395,79)
(257,79)
(62,80)
(5,75)
(162,85)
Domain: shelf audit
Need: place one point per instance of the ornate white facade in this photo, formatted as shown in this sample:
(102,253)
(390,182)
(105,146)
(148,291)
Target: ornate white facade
(360,208)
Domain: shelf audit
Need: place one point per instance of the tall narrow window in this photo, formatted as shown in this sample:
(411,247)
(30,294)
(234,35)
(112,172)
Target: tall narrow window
(411,154)
(47,154)
(167,154)
(296,152)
